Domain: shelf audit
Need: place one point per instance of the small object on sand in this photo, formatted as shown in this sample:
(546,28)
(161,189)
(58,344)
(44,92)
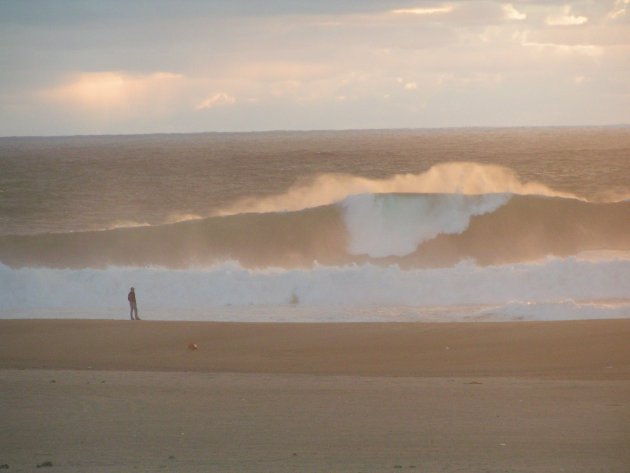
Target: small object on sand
(4,466)
(193,346)
(45,465)
(171,457)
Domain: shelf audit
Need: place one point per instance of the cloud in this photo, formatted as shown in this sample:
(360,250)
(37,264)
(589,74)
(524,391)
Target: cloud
(579,80)
(216,100)
(619,9)
(583,49)
(478,62)
(111,90)
(424,11)
(512,13)
(566,19)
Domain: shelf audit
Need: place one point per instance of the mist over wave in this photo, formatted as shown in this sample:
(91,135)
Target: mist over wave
(464,178)
(456,178)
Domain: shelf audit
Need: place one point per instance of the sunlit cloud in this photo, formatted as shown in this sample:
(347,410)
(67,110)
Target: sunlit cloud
(110,90)
(512,13)
(216,100)
(619,9)
(429,63)
(583,49)
(424,11)
(566,19)
(580,80)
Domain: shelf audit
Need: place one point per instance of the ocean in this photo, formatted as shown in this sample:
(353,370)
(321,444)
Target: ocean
(322,226)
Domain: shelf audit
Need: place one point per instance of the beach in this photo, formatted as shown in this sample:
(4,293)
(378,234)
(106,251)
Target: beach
(361,236)
(227,397)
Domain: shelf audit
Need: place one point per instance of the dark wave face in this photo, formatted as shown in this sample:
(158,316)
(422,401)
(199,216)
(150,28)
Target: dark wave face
(411,230)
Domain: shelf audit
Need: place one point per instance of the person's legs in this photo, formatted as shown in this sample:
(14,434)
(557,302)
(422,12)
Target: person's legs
(131,309)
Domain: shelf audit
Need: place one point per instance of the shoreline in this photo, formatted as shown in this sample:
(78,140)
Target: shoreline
(584,349)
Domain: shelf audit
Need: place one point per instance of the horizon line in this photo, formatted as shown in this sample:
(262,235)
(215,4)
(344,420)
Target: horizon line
(316,130)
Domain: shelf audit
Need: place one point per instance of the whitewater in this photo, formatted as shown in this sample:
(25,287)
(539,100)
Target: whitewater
(456,225)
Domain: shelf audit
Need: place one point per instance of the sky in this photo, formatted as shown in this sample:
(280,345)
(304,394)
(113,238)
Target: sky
(72,67)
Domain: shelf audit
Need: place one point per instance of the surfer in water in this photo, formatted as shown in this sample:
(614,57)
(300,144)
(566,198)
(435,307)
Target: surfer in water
(131,297)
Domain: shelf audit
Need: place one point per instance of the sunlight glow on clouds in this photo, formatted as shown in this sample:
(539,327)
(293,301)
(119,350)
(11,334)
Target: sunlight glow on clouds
(566,18)
(512,13)
(582,49)
(619,9)
(216,100)
(305,65)
(111,89)
(424,11)
(580,80)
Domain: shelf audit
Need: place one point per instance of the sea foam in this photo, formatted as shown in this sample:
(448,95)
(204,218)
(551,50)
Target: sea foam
(503,292)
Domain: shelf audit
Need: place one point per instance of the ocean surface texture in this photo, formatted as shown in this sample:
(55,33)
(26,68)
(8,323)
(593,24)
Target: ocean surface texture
(435,225)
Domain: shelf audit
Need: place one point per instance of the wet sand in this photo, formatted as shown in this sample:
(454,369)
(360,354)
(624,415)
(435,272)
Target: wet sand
(111,396)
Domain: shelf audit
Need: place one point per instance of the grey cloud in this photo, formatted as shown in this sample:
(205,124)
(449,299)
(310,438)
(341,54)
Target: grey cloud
(71,12)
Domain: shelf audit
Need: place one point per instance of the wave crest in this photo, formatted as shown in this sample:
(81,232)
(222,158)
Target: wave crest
(464,178)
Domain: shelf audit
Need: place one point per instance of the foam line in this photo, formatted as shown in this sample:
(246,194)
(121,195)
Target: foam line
(360,287)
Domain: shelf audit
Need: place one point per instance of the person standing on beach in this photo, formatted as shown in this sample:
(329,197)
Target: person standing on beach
(131,297)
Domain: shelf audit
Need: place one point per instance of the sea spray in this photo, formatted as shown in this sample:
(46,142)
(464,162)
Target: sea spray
(396,224)
(449,178)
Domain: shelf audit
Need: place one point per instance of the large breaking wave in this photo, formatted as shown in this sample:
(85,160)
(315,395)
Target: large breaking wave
(459,242)
(412,230)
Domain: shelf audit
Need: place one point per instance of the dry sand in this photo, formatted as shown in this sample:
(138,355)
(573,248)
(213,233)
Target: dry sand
(117,396)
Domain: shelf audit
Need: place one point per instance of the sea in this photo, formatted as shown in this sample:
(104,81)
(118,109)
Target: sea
(440,225)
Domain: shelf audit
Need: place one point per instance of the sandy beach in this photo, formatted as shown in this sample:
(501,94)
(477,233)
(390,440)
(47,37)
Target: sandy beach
(113,396)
